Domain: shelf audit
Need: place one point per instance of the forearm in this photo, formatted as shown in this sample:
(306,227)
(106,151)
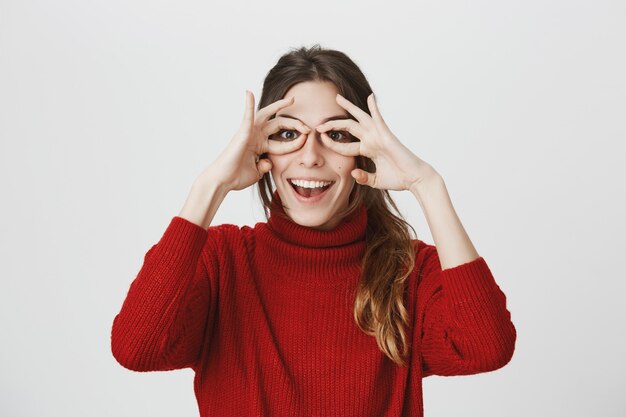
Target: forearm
(453,244)
(202,202)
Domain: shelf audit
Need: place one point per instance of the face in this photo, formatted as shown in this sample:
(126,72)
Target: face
(313,164)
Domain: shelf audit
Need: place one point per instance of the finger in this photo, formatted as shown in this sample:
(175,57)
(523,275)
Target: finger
(364,177)
(346,149)
(353,127)
(373,106)
(266,112)
(278,148)
(354,110)
(249,110)
(279,123)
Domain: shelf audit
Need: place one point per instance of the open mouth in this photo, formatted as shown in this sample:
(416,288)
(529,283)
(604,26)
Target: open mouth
(311,189)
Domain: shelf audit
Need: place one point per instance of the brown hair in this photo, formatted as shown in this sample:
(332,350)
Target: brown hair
(389,256)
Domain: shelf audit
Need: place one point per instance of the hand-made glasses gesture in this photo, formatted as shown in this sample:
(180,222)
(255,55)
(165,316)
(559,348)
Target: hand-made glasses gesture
(239,166)
(397,168)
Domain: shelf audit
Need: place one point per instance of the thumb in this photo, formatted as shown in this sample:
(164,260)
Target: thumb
(264,166)
(364,177)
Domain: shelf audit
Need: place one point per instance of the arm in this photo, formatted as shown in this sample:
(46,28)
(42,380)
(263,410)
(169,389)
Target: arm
(161,325)
(453,244)
(466,327)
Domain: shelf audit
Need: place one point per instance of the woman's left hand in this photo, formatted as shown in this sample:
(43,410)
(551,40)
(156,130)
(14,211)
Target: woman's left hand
(397,168)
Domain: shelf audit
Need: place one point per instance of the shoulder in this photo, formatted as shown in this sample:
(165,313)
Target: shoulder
(425,282)
(231,234)
(225,241)
(426,257)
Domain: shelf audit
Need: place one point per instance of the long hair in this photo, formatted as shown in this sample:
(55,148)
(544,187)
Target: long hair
(389,257)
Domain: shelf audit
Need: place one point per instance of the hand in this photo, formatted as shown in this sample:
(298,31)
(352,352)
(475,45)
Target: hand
(240,165)
(397,168)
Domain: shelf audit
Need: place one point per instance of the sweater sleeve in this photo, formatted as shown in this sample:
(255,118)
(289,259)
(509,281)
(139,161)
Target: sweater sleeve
(161,325)
(466,327)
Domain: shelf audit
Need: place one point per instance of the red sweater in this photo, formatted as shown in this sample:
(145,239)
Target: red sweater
(263,316)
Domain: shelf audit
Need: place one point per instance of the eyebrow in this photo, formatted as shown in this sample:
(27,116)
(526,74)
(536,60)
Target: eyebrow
(339,117)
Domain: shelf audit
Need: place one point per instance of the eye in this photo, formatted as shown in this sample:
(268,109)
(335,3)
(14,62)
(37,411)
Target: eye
(339,135)
(292,134)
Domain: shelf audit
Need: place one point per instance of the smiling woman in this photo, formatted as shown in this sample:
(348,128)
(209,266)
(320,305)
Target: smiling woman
(314,182)
(331,307)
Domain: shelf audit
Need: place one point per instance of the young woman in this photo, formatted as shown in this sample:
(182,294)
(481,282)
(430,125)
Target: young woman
(329,308)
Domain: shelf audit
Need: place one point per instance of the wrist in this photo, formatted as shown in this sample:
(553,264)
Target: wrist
(426,182)
(209,187)
(210,181)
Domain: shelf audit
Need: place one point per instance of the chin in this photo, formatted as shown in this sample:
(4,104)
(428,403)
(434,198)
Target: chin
(318,216)
(308,221)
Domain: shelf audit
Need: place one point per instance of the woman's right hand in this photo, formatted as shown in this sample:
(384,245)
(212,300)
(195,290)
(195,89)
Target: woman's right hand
(239,165)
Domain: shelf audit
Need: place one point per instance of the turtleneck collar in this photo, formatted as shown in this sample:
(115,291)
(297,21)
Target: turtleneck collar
(350,230)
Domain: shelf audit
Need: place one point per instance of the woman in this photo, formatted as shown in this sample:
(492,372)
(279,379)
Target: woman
(329,307)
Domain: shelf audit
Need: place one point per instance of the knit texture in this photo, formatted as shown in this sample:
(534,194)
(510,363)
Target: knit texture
(264,317)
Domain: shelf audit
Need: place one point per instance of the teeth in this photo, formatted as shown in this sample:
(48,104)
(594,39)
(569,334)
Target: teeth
(310,184)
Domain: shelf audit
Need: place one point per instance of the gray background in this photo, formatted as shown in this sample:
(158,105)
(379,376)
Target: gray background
(109,110)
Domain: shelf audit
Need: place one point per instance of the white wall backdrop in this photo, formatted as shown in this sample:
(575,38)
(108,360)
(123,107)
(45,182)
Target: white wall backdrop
(110,109)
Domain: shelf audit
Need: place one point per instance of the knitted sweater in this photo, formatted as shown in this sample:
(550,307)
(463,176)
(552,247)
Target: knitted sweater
(264,317)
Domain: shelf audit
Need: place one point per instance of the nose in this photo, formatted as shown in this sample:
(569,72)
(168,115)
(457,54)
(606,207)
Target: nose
(311,153)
